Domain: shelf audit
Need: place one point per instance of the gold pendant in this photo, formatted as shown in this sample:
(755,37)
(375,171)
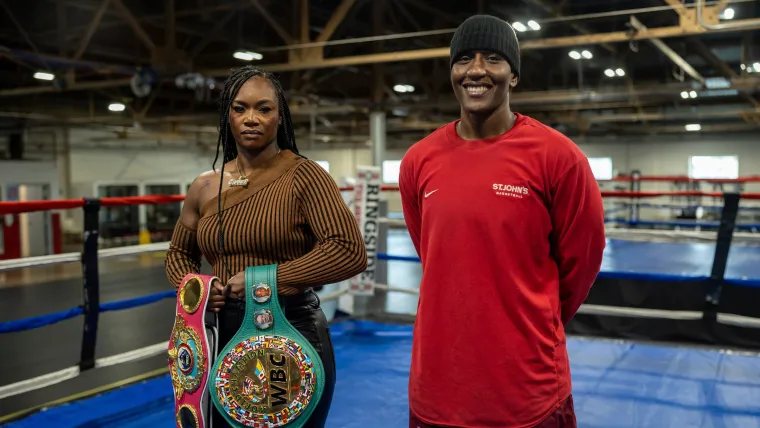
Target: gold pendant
(240,182)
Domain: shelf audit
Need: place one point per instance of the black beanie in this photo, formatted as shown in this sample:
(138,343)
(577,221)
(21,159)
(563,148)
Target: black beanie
(486,33)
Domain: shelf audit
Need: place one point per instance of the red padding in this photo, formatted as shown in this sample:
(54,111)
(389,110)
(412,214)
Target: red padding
(141,200)
(680,179)
(651,194)
(31,206)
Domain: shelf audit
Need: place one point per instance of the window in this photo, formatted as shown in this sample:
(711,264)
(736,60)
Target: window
(391,170)
(714,167)
(324,164)
(601,167)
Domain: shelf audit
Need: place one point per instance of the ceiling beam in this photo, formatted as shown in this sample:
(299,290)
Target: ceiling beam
(138,30)
(337,17)
(720,66)
(91,29)
(211,34)
(668,52)
(21,29)
(555,42)
(554,11)
(272,22)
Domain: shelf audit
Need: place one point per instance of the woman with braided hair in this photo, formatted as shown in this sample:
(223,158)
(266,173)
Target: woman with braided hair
(267,204)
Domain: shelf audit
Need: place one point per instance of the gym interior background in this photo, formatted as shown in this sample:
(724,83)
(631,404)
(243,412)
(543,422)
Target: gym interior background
(118,98)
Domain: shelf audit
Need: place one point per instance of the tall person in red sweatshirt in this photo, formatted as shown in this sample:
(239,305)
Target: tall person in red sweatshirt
(508,222)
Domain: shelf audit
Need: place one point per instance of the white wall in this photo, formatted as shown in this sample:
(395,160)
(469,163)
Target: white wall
(181,164)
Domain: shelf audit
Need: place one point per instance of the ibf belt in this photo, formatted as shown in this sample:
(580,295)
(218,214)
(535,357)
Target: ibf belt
(268,375)
(192,348)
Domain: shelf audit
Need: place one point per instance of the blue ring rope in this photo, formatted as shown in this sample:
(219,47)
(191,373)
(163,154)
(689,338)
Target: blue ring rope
(54,318)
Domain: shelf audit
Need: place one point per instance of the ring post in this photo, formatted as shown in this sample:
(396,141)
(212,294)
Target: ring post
(722,248)
(90,281)
(633,215)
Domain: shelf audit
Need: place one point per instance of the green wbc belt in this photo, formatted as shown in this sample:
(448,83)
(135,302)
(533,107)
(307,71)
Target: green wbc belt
(268,375)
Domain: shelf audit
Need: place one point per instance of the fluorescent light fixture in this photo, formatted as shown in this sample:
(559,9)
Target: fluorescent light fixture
(717,83)
(684,95)
(116,107)
(693,94)
(519,26)
(620,72)
(756,66)
(247,56)
(693,127)
(728,13)
(41,75)
(587,54)
(574,55)
(403,88)
(534,25)
(609,72)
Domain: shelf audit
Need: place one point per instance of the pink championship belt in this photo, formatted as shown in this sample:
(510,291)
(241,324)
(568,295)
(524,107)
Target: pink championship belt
(192,350)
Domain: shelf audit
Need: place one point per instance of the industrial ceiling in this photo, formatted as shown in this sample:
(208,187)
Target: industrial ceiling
(590,67)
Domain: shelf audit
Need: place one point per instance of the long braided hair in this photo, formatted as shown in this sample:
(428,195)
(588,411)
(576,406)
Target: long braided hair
(286,139)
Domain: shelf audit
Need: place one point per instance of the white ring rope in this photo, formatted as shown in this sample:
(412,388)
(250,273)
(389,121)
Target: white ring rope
(611,232)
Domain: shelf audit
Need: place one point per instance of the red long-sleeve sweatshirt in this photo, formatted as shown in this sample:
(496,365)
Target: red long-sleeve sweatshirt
(510,233)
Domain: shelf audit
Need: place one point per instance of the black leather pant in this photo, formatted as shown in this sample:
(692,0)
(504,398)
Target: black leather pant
(305,314)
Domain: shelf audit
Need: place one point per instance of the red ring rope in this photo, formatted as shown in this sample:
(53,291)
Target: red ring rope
(61,204)
(681,179)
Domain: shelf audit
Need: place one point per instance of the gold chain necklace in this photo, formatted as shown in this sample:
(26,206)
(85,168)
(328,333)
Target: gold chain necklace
(242,181)
(239,182)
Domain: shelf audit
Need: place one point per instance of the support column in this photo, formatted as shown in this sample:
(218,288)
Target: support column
(63,159)
(377,136)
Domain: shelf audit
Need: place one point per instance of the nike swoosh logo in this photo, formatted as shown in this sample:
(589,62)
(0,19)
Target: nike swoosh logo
(430,193)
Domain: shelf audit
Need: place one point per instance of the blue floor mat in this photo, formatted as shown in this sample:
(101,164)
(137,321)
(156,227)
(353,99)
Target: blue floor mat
(615,384)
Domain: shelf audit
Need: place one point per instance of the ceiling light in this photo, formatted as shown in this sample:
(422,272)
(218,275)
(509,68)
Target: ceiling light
(587,54)
(693,127)
(41,75)
(247,56)
(116,107)
(717,83)
(727,13)
(609,72)
(519,26)
(620,72)
(574,55)
(756,66)
(693,94)
(403,88)
(534,25)
(684,95)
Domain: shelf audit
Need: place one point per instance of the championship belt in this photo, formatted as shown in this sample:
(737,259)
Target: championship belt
(192,348)
(268,375)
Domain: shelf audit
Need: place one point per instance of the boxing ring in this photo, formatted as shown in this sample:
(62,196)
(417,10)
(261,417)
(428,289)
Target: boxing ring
(669,335)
